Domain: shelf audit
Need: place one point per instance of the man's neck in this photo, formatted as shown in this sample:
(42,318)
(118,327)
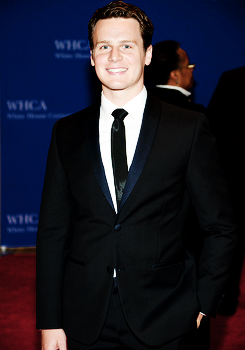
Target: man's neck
(121,97)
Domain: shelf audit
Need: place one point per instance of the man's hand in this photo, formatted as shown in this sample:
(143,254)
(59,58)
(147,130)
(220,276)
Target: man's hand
(53,339)
(199,318)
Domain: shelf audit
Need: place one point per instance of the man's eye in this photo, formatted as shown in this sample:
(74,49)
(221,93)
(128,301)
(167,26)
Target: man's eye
(126,47)
(104,47)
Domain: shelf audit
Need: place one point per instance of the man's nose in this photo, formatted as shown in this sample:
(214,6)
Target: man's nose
(115,54)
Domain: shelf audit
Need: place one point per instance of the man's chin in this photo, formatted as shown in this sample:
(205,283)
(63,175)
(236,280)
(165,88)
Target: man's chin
(115,87)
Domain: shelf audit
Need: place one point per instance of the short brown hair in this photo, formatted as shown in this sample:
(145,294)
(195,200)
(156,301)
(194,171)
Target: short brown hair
(117,9)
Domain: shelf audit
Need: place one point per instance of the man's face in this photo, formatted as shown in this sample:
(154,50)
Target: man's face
(119,56)
(185,74)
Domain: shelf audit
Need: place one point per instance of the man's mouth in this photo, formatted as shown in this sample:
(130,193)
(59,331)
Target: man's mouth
(116,70)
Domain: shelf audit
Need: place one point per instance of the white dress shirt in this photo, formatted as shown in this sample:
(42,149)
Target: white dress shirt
(132,122)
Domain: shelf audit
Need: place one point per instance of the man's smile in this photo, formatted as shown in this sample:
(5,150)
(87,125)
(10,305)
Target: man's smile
(116,70)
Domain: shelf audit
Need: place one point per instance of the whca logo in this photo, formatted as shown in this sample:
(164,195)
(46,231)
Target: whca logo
(71,45)
(22,219)
(26,105)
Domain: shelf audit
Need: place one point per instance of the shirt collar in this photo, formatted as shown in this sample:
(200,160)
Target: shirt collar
(134,107)
(183,91)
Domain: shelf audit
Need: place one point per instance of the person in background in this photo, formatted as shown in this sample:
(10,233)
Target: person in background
(171,75)
(226,110)
(115,267)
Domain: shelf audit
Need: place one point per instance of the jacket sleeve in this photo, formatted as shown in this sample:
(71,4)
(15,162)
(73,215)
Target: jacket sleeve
(52,240)
(209,194)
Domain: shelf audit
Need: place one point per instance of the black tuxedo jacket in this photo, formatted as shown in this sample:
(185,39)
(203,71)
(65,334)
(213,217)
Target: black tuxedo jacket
(81,239)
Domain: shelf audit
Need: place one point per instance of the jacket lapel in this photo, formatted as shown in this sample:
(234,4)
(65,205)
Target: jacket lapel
(144,145)
(93,148)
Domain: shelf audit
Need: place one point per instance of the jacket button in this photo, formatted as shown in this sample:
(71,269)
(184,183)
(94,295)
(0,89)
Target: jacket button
(117,227)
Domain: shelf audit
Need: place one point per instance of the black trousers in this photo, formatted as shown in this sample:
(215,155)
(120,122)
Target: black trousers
(117,335)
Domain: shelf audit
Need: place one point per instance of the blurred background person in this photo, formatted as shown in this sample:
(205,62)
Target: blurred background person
(171,75)
(227,114)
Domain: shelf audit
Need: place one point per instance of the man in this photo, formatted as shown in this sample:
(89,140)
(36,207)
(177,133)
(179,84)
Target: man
(114,270)
(226,109)
(172,75)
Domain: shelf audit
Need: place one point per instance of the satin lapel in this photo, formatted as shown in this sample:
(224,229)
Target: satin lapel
(146,139)
(93,148)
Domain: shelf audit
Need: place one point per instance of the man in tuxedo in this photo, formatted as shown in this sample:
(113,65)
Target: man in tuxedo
(115,267)
(171,75)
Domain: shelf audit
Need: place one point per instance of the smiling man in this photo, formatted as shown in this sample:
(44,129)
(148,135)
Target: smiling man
(119,58)
(115,266)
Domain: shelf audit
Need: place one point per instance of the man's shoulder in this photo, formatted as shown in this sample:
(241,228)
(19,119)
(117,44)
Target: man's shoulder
(80,117)
(77,120)
(171,96)
(175,117)
(177,98)
(175,110)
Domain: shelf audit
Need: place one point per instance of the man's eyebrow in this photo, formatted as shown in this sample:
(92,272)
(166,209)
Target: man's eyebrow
(110,41)
(128,41)
(103,42)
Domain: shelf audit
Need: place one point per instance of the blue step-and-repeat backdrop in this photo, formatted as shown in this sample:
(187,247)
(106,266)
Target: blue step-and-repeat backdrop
(46,74)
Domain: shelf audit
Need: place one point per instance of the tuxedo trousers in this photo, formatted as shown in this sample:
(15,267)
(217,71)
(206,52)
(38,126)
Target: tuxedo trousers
(116,334)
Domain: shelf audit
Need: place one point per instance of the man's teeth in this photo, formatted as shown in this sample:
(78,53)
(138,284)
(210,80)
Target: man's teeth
(117,70)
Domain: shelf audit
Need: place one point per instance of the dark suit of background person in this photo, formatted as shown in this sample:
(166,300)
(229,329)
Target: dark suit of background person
(170,78)
(82,239)
(227,117)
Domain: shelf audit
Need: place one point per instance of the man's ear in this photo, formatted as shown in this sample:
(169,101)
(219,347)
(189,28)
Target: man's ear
(148,55)
(91,58)
(174,76)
